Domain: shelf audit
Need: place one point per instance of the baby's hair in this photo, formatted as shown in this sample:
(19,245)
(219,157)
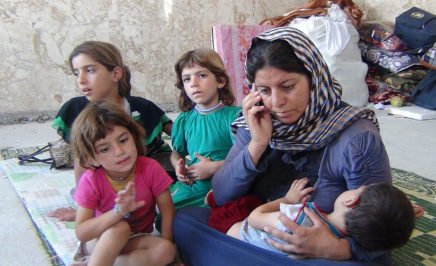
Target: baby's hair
(93,124)
(109,56)
(211,60)
(383,220)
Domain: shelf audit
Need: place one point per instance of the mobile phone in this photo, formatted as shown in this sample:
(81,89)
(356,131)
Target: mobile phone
(253,87)
(259,103)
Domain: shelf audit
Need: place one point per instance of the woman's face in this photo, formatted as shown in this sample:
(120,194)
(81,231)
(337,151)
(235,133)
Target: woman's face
(93,79)
(285,94)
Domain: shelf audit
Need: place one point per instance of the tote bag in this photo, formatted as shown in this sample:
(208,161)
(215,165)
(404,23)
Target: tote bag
(424,93)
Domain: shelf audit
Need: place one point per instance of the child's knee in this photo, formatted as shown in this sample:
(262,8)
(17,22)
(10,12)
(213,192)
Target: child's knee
(164,252)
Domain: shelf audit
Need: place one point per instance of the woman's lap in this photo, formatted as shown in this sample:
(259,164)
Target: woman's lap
(199,244)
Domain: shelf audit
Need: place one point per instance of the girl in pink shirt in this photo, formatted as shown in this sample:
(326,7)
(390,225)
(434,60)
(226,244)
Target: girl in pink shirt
(118,193)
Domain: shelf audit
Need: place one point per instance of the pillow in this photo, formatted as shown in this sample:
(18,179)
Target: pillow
(392,61)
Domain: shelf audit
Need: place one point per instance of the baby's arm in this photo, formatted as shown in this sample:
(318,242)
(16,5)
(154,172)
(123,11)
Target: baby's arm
(268,214)
(166,209)
(265,215)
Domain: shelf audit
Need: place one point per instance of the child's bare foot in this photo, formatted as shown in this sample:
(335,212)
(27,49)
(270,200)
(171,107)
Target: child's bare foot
(63,214)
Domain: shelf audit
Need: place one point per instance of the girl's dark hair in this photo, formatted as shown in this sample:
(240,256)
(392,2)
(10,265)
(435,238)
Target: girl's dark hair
(383,220)
(109,56)
(93,124)
(211,60)
(278,54)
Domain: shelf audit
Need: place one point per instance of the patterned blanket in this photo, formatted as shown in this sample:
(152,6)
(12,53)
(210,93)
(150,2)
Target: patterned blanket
(43,190)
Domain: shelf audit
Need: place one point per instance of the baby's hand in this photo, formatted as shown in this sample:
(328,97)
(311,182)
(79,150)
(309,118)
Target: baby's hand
(126,200)
(298,193)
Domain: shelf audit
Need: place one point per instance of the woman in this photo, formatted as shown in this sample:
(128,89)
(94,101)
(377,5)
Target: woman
(301,130)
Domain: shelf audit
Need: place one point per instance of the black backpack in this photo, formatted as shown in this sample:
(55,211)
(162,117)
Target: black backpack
(424,93)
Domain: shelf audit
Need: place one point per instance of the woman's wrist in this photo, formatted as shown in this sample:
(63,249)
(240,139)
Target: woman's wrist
(338,250)
(256,151)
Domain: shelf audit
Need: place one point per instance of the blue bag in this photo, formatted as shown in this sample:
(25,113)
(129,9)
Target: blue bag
(424,93)
(416,27)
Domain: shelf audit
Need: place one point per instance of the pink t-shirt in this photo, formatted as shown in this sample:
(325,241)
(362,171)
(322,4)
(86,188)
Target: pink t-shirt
(95,192)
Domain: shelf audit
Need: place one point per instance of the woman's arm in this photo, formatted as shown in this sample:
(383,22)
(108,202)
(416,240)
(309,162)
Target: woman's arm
(234,178)
(166,209)
(259,122)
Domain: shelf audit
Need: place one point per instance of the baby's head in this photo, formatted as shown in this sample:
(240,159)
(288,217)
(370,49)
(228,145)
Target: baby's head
(381,219)
(211,60)
(94,123)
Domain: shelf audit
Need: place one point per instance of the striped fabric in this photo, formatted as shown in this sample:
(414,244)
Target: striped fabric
(324,117)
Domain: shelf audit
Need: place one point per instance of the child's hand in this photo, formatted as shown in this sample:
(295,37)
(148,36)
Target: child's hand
(298,193)
(182,172)
(201,170)
(181,168)
(126,199)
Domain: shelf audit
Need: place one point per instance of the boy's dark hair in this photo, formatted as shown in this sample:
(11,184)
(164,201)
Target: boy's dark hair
(93,124)
(109,56)
(383,220)
(211,60)
(278,54)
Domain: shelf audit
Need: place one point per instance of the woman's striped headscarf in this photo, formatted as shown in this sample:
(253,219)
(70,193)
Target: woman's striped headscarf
(323,118)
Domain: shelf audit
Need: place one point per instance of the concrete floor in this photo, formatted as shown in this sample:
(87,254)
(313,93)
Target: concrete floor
(410,144)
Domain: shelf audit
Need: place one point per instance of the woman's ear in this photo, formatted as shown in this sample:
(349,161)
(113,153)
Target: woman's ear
(117,73)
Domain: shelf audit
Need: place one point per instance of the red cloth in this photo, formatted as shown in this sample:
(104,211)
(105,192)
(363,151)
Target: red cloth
(223,217)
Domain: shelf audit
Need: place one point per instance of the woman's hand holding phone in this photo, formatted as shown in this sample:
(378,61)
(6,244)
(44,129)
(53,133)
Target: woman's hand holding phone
(253,89)
(259,122)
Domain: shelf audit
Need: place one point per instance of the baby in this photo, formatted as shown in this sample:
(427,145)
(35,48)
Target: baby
(378,217)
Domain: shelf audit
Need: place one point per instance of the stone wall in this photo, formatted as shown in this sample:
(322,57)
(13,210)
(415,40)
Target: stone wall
(38,35)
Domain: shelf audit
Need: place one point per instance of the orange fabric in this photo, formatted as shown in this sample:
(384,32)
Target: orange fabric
(318,8)
(288,17)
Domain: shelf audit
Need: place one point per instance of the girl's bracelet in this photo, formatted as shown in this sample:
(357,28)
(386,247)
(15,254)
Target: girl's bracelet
(117,210)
